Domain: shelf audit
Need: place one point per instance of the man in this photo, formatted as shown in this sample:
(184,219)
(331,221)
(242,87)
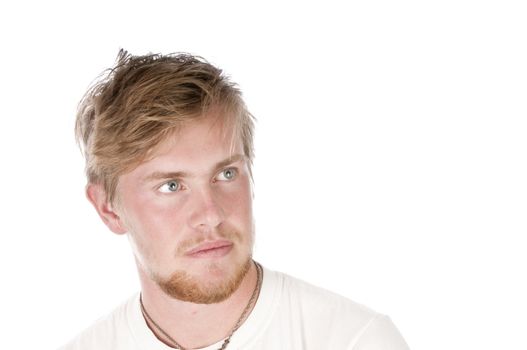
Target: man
(168,146)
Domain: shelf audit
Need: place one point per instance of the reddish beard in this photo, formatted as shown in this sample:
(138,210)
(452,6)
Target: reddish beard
(182,286)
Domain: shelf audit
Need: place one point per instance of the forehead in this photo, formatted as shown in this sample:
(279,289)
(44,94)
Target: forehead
(194,145)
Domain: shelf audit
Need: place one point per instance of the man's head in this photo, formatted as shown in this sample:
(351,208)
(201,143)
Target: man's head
(168,146)
(143,99)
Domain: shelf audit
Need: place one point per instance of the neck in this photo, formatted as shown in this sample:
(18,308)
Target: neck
(195,325)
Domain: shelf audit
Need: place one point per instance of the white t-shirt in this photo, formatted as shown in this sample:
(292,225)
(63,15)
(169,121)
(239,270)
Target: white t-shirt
(289,314)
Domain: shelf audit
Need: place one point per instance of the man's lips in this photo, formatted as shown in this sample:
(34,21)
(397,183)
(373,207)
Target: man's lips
(211,249)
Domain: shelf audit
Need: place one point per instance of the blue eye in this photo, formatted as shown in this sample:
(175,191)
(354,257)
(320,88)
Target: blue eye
(170,186)
(227,174)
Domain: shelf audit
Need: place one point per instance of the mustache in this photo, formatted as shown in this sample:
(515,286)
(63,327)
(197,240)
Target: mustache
(230,235)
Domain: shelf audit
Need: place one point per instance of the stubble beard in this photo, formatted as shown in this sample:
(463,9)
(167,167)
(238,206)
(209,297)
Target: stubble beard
(185,287)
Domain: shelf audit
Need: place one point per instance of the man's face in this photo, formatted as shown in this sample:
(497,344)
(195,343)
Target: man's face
(188,211)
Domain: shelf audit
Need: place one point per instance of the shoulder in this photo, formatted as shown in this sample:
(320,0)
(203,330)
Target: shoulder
(320,301)
(344,323)
(109,332)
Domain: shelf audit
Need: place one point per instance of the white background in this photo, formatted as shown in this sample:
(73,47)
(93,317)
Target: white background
(391,156)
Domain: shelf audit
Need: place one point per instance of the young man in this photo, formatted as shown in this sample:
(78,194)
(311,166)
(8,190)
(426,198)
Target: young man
(168,146)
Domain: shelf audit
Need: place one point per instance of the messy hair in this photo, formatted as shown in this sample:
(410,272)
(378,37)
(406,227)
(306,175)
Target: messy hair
(134,106)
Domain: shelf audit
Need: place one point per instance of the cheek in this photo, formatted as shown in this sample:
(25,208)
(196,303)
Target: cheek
(152,239)
(153,227)
(150,213)
(237,202)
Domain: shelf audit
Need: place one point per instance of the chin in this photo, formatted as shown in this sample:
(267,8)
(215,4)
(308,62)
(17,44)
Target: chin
(214,284)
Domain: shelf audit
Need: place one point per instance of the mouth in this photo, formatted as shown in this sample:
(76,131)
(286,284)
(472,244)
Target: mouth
(213,249)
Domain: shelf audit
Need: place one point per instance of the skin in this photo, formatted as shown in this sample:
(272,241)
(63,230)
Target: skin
(195,190)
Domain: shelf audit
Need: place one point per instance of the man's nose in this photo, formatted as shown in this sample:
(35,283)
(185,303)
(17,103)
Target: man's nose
(207,212)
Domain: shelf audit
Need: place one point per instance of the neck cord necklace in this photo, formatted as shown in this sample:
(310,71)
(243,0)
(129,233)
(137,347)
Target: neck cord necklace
(256,292)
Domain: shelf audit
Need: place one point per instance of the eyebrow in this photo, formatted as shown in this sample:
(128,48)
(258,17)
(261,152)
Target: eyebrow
(161,175)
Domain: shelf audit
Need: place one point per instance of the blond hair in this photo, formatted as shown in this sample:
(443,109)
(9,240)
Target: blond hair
(134,106)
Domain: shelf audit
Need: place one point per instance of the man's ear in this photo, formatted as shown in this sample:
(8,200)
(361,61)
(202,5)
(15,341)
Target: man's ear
(97,196)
